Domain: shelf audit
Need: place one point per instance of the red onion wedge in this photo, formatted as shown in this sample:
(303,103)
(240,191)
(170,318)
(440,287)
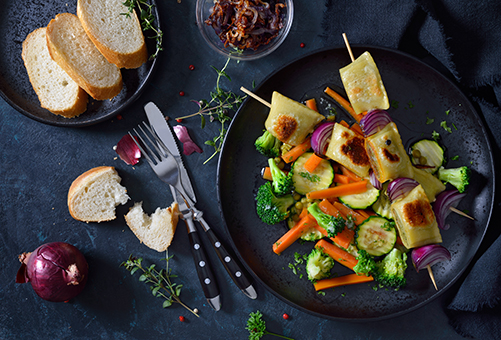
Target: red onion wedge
(374,181)
(399,187)
(189,145)
(57,271)
(374,121)
(441,207)
(321,137)
(127,150)
(429,255)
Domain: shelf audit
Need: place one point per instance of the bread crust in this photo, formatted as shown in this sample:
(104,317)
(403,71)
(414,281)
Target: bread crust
(81,182)
(58,55)
(79,100)
(122,60)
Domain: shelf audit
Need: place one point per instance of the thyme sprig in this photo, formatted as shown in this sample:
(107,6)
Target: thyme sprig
(147,19)
(257,327)
(217,109)
(160,280)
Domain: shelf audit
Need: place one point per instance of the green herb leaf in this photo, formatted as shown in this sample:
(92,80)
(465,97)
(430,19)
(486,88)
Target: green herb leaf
(445,127)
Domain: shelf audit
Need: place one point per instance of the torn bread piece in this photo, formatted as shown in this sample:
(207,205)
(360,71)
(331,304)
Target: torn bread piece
(94,195)
(155,231)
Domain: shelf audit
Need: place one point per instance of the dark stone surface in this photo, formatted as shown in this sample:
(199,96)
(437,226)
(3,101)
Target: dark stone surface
(40,161)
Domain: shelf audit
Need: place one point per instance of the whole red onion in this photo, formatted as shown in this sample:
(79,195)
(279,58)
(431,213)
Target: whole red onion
(57,271)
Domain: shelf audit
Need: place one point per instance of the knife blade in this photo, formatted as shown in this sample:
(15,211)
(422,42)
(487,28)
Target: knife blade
(163,130)
(239,276)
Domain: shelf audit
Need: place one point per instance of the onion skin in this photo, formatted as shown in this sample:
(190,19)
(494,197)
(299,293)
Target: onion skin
(429,255)
(57,271)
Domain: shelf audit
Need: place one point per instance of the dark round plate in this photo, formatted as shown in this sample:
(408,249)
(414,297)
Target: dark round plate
(419,94)
(17,20)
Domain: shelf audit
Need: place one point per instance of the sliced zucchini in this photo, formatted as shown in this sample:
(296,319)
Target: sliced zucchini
(427,154)
(382,206)
(305,182)
(363,200)
(377,236)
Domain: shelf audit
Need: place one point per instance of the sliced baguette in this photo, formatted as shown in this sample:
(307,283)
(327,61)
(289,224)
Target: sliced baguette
(155,231)
(94,195)
(119,37)
(55,89)
(72,49)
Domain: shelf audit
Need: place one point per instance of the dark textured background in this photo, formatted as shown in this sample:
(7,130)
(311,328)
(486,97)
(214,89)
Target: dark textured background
(39,162)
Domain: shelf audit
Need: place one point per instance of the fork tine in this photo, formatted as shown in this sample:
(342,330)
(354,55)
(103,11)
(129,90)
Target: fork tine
(159,145)
(148,153)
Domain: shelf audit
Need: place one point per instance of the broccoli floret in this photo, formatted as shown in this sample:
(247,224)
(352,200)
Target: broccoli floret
(366,264)
(268,145)
(282,182)
(318,265)
(333,225)
(458,177)
(270,208)
(390,271)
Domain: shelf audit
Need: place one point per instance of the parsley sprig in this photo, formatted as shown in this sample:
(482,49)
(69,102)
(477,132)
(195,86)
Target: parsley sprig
(160,280)
(217,109)
(257,327)
(147,19)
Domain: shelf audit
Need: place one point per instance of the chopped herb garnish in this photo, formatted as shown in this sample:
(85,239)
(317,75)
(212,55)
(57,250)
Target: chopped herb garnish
(455,158)
(447,112)
(445,127)
(411,105)
(435,135)
(429,120)
(394,104)
(309,177)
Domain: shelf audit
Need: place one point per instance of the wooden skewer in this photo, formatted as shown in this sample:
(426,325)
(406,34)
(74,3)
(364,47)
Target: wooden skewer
(457,211)
(253,95)
(432,277)
(348,47)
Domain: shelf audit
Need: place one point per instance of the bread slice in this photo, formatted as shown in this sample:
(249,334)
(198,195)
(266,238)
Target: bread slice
(56,91)
(94,195)
(119,37)
(72,49)
(155,231)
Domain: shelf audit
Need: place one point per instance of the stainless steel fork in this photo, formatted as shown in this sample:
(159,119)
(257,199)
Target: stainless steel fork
(166,167)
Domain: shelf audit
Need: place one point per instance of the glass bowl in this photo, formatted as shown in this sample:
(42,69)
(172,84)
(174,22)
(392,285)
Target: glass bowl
(204,9)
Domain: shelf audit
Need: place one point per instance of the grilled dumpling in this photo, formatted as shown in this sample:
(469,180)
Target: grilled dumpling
(347,148)
(387,154)
(415,220)
(290,121)
(363,85)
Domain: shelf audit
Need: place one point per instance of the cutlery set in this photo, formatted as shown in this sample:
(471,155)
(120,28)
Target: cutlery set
(158,145)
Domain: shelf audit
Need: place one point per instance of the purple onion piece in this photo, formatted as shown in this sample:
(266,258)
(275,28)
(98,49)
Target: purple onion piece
(399,187)
(127,150)
(189,145)
(441,207)
(321,136)
(429,255)
(374,181)
(374,121)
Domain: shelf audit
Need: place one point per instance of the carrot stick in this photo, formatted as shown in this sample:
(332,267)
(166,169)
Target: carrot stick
(294,233)
(312,104)
(343,123)
(345,237)
(337,254)
(267,173)
(295,152)
(303,213)
(349,173)
(339,190)
(343,102)
(344,210)
(311,163)
(344,280)
(357,129)
(342,179)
